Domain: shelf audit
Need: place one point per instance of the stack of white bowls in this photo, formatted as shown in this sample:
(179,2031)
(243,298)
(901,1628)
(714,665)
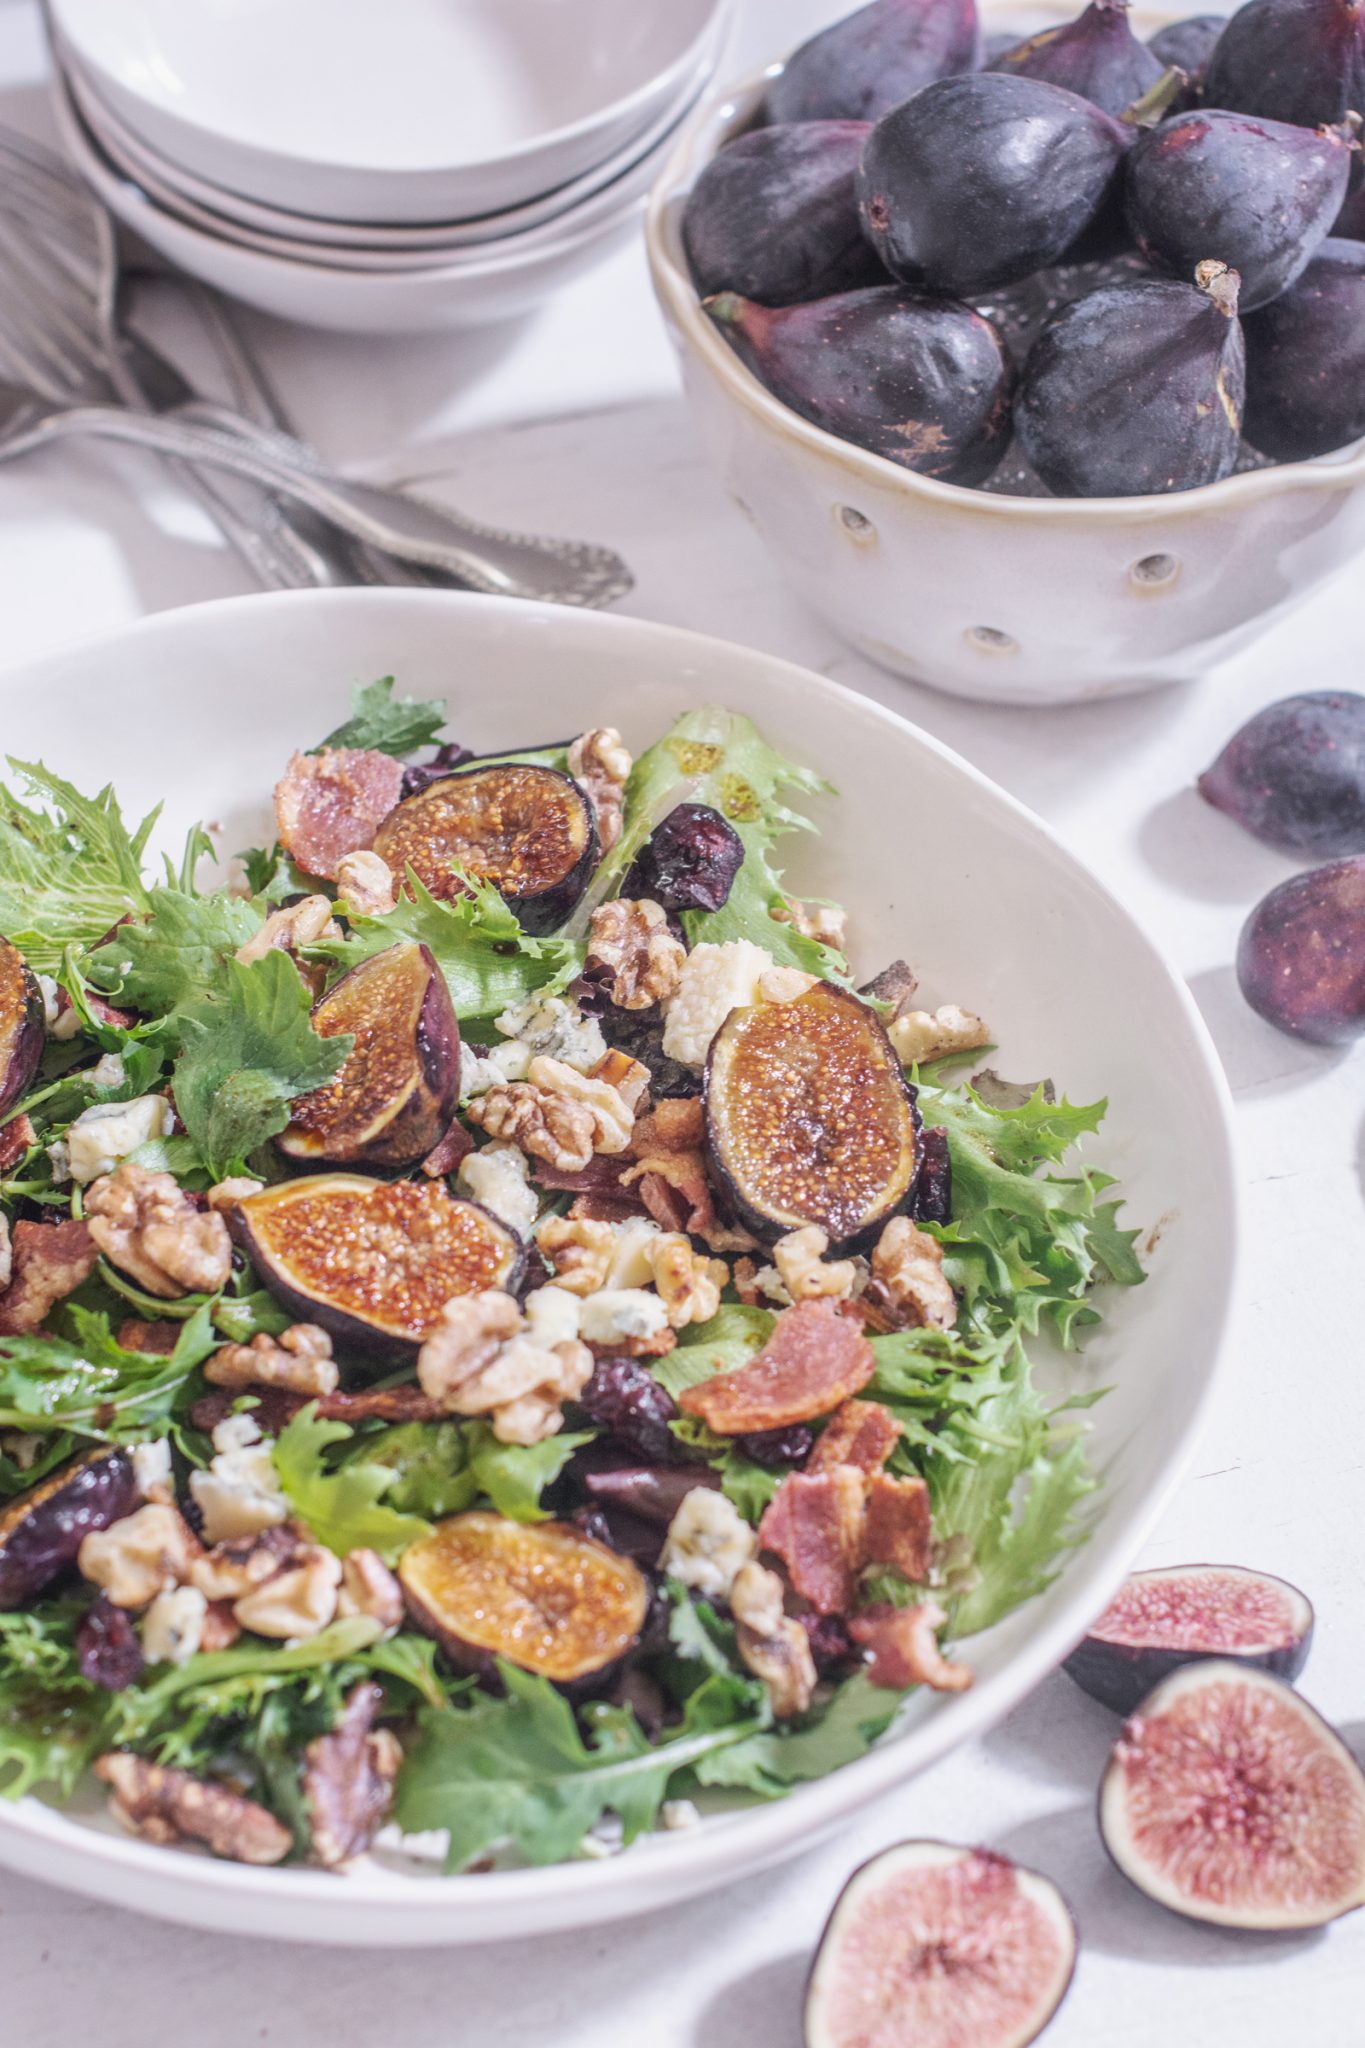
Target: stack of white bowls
(380,166)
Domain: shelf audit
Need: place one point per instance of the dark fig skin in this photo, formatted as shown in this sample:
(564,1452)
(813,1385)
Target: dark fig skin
(1301,955)
(1291,60)
(1349,225)
(1137,389)
(396,1092)
(21,1026)
(923,382)
(527,829)
(775,215)
(42,1530)
(1264,194)
(1188,45)
(1121,1673)
(978,181)
(872,60)
(1096,55)
(1294,775)
(1306,360)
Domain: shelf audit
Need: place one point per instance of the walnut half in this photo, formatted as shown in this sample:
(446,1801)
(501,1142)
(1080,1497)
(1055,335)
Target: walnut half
(629,941)
(166,1805)
(149,1229)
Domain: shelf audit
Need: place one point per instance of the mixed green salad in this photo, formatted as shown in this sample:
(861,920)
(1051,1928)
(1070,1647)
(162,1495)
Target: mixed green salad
(504,1328)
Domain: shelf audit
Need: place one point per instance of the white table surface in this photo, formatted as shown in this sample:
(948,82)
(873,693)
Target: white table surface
(573,421)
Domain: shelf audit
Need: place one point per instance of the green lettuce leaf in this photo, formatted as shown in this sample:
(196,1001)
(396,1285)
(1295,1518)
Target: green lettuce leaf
(772,1760)
(442,1468)
(91,1385)
(177,956)
(385,723)
(67,872)
(344,1504)
(729,1339)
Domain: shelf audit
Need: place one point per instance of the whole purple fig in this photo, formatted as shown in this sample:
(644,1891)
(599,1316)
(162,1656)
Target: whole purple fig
(922,381)
(775,215)
(1294,775)
(1188,44)
(1291,60)
(1306,360)
(1096,55)
(1137,388)
(1301,956)
(1349,224)
(977,181)
(872,60)
(1262,193)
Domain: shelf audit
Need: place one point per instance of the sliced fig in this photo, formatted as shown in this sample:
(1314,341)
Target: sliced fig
(873,59)
(396,1092)
(1301,954)
(41,1530)
(935,1946)
(1294,775)
(1306,358)
(1096,55)
(1160,1620)
(373,1261)
(775,215)
(1227,1798)
(809,1118)
(543,1595)
(21,1026)
(527,829)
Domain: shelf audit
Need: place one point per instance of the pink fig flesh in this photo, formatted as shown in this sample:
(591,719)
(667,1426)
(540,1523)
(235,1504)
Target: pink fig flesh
(21,1026)
(935,1946)
(1229,1799)
(1161,1620)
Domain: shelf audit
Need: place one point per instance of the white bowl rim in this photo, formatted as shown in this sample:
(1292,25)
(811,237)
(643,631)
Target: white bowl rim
(697,145)
(608,1889)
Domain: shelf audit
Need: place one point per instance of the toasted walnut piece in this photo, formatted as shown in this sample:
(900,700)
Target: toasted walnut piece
(612,1117)
(532,1416)
(146,1227)
(221,1627)
(548,1126)
(601,762)
(348,1779)
(479,1361)
(299,1601)
(921,1035)
(630,941)
(166,1805)
(140,1556)
(805,1272)
(369,1587)
(299,1360)
(366,881)
(239,1564)
(826,922)
(237,1188)
(689,1285)
(172,1629)
(630,1078)
(48,1261)
(472,1330)
(772,1644)
(301,924)
(908,1266)
(580,1252)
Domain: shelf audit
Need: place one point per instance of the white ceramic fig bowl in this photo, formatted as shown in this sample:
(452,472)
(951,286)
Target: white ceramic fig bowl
(200,707)
(1016,600)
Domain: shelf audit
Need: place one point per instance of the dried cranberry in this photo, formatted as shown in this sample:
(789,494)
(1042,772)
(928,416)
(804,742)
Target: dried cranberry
(932,1198)
(444,761)
(831,1645)
(626,1399)
(107,1647)
(534,1272)
(689,861)
(789,1446)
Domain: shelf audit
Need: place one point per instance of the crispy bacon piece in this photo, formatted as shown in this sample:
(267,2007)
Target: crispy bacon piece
(601,1176)
(669,1172)
(814,1360)
(15,1138)
(899,1525)
(814,1523)
(904,1646)
(604,1208)
(49,1261)
(159,1338)
(861,1433)
(444,1157)
(332,803)
(274,1407)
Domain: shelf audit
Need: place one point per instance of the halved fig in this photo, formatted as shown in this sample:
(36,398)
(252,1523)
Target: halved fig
(528,830)
(543,1595)
(41,1531)
(1227,1798)
(21,1025)
(935,1946)
(809,1117)
(396,1092)
(373,1261)
(1162,1619)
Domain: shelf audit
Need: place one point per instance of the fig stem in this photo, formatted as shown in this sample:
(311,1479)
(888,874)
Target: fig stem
(726,307)
(1219,283)
(1156,101)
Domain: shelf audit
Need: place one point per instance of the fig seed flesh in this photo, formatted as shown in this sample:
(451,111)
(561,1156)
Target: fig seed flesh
(1161,1620)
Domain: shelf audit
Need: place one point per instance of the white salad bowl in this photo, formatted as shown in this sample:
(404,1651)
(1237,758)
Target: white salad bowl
(201,707)
(413,110)
(1015,600)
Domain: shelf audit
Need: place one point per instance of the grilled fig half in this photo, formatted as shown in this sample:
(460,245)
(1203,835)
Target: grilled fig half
(873,59)
(528,830)
(809,1118)
(21,1026)
(1294,775)
(934,1946)
(373,1261)
(1161,1620)
(542,1595)
(1301,954)
(1227,1798)
(396,1092)
(41,1531)
(1096,55)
